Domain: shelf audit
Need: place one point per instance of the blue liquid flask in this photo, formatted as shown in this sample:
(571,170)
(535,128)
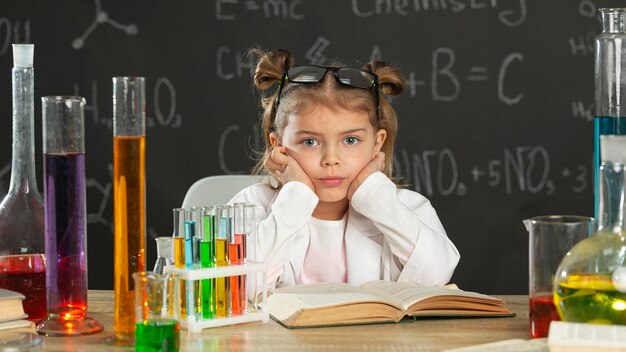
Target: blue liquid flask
(610,84)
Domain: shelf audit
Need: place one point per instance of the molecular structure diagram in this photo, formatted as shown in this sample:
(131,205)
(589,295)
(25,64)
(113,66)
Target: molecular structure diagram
(102,18)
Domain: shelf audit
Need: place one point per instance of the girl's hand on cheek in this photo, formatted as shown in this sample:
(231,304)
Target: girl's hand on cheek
(376,164)
(284,168)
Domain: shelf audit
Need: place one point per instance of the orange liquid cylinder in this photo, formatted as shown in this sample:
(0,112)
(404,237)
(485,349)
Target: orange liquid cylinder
(130,228)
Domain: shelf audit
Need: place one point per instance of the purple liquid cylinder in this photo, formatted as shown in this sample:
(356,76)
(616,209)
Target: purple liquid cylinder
(66,277)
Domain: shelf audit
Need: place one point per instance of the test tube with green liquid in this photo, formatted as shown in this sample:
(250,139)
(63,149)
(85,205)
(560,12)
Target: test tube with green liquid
(197,217)
(221,259)
(207,260)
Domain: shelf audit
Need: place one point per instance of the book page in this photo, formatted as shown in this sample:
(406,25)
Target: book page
(325,295)
(513,345)
(410,293)
(566,336)
(285,304)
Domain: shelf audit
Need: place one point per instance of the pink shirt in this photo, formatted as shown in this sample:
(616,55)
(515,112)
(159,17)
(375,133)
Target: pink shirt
(325,259)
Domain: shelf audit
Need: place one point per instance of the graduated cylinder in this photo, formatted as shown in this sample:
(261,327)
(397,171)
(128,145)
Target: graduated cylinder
(128,198)
(65,218)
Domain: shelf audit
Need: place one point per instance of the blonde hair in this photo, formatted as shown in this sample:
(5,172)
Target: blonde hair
(298,97)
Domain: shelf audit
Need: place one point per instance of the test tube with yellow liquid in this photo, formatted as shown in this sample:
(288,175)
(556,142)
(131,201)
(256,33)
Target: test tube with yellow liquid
(222,308)
(129,197)
(179,256)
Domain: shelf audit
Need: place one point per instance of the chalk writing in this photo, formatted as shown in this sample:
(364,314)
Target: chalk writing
(232,136)
(231,65)
(13,33)
(101,17)
(446,84)
(173,119)
(512,15)
(524,169)
(100,195)
(582,110)
(419,171)
(162,88)
(587,8)
(314,53)
(582,44)
(226,10)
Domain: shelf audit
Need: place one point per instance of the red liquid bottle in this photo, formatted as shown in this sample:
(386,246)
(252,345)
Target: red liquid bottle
(22,241)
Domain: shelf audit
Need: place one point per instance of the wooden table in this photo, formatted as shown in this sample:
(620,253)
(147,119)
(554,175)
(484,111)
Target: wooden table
(421,335)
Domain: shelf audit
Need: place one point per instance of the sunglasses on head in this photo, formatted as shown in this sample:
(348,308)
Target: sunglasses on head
(347,76)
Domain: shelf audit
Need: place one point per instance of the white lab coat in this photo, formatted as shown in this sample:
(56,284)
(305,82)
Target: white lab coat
(392,234)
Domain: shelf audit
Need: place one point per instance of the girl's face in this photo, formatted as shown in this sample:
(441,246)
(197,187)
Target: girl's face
(332,147)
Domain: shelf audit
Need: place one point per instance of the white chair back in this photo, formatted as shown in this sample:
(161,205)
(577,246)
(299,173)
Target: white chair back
(217,190)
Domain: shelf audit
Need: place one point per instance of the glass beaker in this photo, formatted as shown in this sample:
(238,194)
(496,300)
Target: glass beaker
(590,283)
(165,253)
(156,312)
(610,85)
(22,239)
(550,237)
(65,218)
(129,199)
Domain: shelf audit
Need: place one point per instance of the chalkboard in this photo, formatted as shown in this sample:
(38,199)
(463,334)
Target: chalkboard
(495,123)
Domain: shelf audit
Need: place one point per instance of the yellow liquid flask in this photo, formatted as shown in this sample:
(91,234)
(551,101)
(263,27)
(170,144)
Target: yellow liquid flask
(590,283)
(128,199)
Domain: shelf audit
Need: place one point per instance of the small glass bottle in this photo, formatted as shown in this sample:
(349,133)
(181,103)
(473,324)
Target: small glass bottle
(610,85)
(22,240)
(590,283)
(165,253)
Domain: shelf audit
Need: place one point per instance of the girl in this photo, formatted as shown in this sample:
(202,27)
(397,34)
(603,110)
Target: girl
(335,215)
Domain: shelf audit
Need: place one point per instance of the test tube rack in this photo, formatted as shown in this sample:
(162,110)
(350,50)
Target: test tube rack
(195,324)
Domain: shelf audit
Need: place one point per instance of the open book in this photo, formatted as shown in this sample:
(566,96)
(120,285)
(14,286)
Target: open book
(330,304)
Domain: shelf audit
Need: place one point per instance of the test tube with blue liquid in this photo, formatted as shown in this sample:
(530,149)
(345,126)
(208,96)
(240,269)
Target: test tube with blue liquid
(189,233)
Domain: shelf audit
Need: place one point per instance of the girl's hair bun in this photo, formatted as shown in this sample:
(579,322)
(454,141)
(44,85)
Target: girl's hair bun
(390,80)
(270,66)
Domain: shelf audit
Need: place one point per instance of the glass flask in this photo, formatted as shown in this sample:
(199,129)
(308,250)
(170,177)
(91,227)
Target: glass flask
(65,196)
(129,199)
(610,85)
(22,241)
(590,283)
(165,253)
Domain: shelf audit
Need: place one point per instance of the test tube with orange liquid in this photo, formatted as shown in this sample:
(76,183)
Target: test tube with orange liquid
(221,259)
(128,199)
(179,257)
